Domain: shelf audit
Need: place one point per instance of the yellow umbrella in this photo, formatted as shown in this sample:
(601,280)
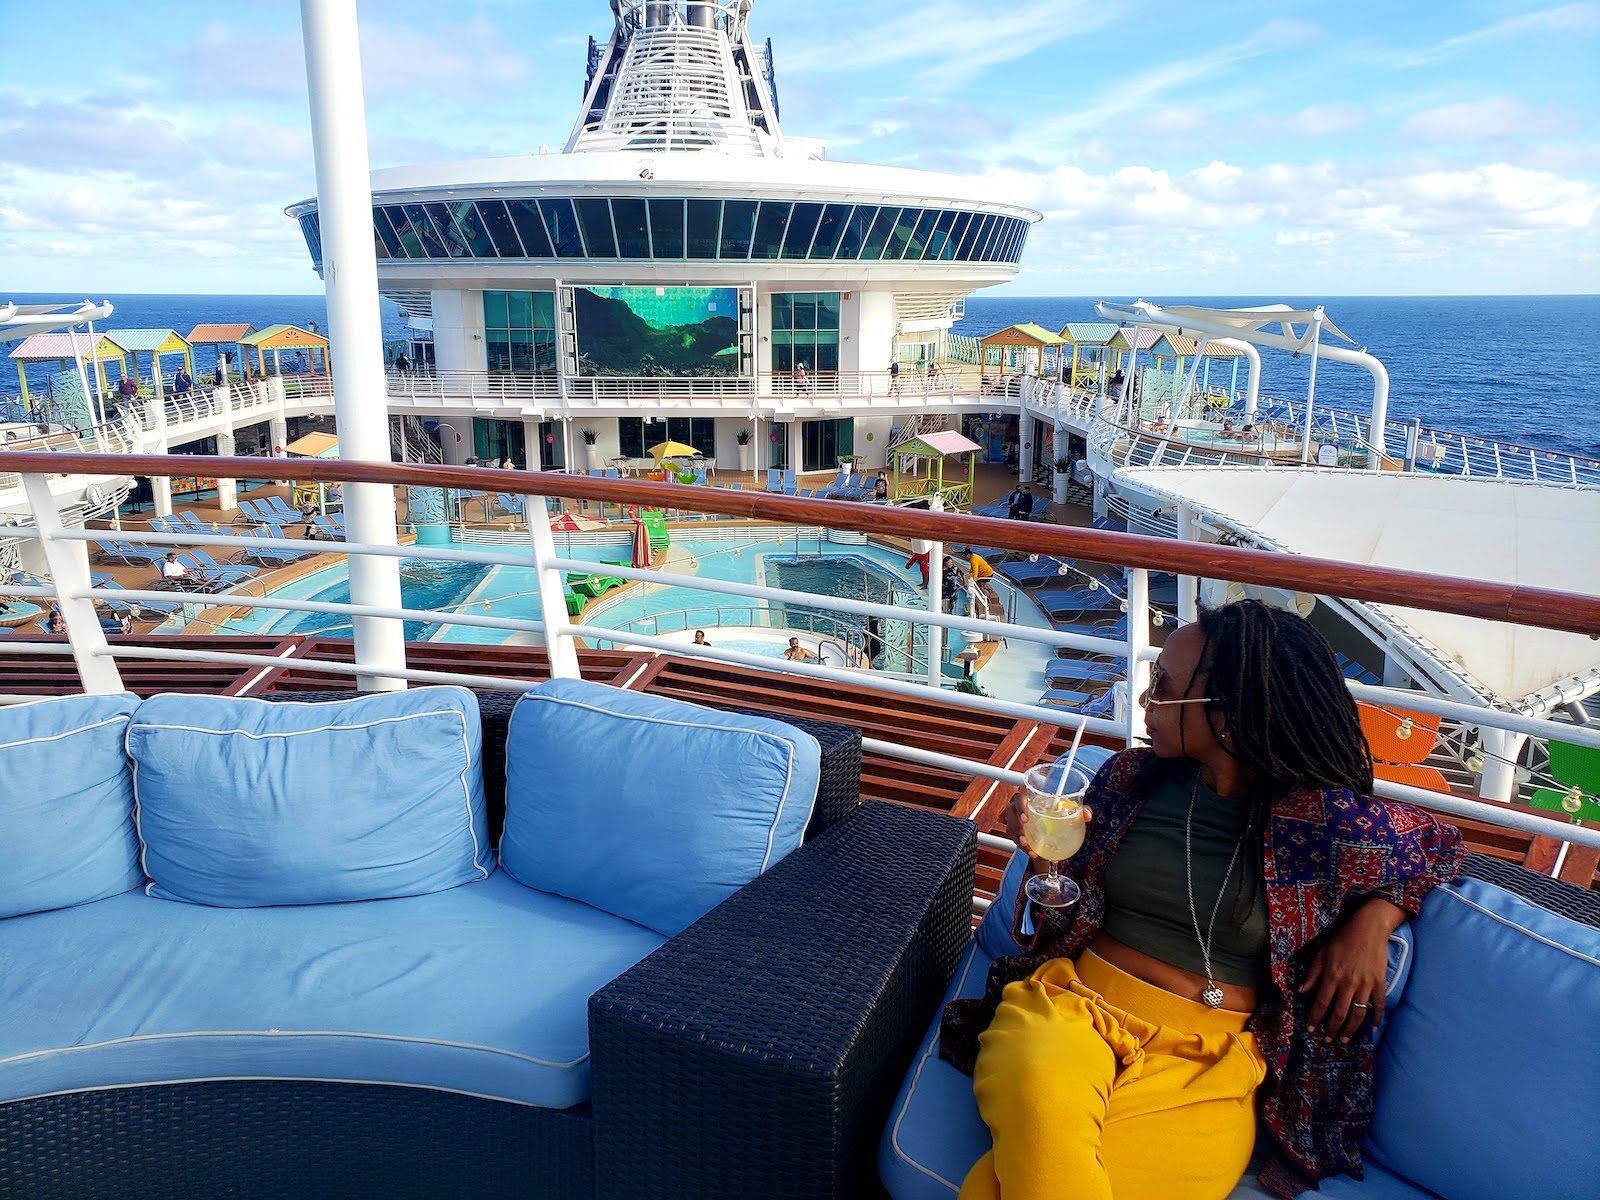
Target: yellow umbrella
(672,450)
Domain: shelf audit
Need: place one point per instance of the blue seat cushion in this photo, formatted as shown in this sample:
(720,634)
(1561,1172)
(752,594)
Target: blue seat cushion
(481,989)
(652,809)
(1489,1068)
(241,803)
(66,803)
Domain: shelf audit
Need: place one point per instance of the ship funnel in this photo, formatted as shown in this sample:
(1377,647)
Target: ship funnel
(702,15)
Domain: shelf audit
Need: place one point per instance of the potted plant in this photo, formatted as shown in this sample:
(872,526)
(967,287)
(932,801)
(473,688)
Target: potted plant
(590,437)
(1063,469)
(743,438)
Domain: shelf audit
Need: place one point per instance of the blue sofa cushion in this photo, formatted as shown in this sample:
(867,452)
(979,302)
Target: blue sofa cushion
(241,803)
(1489,1067)
(481,989)
(66,803)
(651,809)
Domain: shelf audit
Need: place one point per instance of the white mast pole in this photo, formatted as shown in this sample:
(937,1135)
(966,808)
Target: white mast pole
(350,269)
(1311,386)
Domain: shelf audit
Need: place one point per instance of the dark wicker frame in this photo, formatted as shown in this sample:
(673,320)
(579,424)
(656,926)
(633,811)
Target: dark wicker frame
(755,1054)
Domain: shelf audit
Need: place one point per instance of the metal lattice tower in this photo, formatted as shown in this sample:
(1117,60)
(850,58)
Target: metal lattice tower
(680,75)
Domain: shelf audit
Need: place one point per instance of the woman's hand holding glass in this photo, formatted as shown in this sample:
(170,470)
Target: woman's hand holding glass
(1047,820)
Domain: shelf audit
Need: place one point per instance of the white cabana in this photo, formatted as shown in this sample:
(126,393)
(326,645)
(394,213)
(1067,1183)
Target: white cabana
(1503,531)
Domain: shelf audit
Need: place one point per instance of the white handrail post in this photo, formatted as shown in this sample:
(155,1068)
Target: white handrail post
(1138,643)
(1311,386)
(560,645)
(935,665)
(68,562)
(1188,585)
(361,403)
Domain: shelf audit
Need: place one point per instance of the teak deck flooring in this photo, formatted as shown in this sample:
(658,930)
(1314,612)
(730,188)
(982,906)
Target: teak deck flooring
(930,724)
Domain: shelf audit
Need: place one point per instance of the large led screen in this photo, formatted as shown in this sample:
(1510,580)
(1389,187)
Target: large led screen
(666,331)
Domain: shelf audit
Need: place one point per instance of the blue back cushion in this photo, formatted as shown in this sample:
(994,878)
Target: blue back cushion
(652,809)
(66,804)
(242,803)
(1490,1071)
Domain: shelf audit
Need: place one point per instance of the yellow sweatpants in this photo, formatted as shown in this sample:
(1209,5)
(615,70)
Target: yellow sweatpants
(1097,1085)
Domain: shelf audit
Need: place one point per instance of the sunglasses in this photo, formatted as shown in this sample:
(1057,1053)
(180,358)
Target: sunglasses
(1158,680)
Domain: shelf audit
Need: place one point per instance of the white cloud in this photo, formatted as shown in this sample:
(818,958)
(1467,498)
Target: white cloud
(1562,19)
(1490,119)
(946,43)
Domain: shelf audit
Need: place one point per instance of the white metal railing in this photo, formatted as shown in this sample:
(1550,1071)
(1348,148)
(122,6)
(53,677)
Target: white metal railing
(71,587)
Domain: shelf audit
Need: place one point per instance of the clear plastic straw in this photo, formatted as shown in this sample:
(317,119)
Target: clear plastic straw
(1072,756)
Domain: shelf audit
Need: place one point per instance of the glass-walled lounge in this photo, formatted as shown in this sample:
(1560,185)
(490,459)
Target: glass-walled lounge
(635,228)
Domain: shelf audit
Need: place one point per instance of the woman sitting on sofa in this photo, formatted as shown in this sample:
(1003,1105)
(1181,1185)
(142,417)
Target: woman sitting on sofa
(1229,951)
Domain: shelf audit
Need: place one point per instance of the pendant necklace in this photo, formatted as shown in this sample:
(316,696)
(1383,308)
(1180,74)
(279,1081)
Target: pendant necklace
(1212,996)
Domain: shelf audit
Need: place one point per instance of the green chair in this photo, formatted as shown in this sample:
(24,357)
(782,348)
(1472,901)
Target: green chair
(575,603)
(1575,767)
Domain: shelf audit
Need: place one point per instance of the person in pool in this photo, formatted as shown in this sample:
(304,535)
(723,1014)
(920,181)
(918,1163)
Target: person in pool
(1228,954)
(700,638)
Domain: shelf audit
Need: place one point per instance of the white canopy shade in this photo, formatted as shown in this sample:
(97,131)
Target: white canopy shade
(1502,531)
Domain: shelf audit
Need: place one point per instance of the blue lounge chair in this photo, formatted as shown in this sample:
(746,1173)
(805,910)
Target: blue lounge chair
(162,607)
(270,505)
(1115,631)
(1028,573)
(513,505)
(1355,672)
(1081,599)
(271,556)
(329,530)
(1103,705)
(1059,670)
(211,566)
(774,479)
(1062,696)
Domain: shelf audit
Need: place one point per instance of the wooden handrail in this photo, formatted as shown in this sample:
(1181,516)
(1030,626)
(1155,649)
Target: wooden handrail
(1516,604)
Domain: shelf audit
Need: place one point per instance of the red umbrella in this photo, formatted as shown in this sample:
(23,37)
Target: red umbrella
(641,545)
(575,523)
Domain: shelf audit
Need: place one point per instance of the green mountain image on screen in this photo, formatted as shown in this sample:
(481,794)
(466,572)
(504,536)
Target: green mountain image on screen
(649,331)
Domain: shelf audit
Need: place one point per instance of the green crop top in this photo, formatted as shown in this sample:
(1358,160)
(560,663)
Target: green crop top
(1147,901)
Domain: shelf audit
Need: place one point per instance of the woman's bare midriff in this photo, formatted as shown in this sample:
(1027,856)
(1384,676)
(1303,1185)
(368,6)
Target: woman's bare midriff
(1235,997)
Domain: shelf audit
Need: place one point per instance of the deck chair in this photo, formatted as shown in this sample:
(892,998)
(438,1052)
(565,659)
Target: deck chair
(1063,696)
(271,556)
(1115,631)
(1103,705)
(232,571)
(1060,670)
(1355,672)
(1573,767)
(1397,754)
(280,506)
(774,479)
(189,517)
(330,531)
(1079,599)
(513,505)
(162,607)
(1034,574)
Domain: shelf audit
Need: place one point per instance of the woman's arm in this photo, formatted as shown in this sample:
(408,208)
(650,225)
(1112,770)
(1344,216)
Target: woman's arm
(1387,858)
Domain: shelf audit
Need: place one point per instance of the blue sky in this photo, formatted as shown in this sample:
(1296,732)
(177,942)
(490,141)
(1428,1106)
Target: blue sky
(1235,147)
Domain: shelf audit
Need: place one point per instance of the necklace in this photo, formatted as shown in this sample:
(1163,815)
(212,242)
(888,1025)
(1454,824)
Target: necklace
(1212,995)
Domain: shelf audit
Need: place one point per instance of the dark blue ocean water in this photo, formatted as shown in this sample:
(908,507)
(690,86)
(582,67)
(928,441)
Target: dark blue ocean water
(1518,368)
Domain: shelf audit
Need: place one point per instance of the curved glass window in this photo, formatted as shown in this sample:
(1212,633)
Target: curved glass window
(599,239)
(497,223)
(770,227)
(830,230)
(705,223)
(666,228)
(641,228)
(738,225)
(878,235)
(562,222)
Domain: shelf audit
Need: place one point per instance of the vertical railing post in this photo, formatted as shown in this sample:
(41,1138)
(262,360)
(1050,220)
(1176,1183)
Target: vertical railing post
(559,644)
(361,403)
(1138,642)
(935,664)
(68,563)
(1188,585)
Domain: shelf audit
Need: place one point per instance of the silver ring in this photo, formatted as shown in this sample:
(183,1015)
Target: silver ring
(1355,1005)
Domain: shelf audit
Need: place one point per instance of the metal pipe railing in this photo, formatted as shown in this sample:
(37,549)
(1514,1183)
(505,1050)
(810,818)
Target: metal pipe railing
(1492,601)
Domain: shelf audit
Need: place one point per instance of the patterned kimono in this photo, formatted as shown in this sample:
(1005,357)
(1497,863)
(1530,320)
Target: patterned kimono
(1323,852)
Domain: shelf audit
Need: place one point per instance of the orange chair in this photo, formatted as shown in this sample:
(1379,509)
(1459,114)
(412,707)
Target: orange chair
(1397,758)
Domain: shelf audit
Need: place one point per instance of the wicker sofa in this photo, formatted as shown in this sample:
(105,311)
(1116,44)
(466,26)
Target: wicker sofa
(755,1053)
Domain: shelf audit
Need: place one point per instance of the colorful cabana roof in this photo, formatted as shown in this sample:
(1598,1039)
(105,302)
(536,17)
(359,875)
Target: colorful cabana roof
(1218,350)
(1026,334)
(284,337)
(937,445)
(1174,345)
(52,347)
(150,341)
(1121,341)
(1088,333)
(219,335)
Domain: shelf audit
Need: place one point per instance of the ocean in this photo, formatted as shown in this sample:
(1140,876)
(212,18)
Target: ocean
(1517,368)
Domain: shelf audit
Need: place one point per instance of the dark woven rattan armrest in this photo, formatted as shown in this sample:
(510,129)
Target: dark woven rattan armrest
(1575,903)
(756,1053)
